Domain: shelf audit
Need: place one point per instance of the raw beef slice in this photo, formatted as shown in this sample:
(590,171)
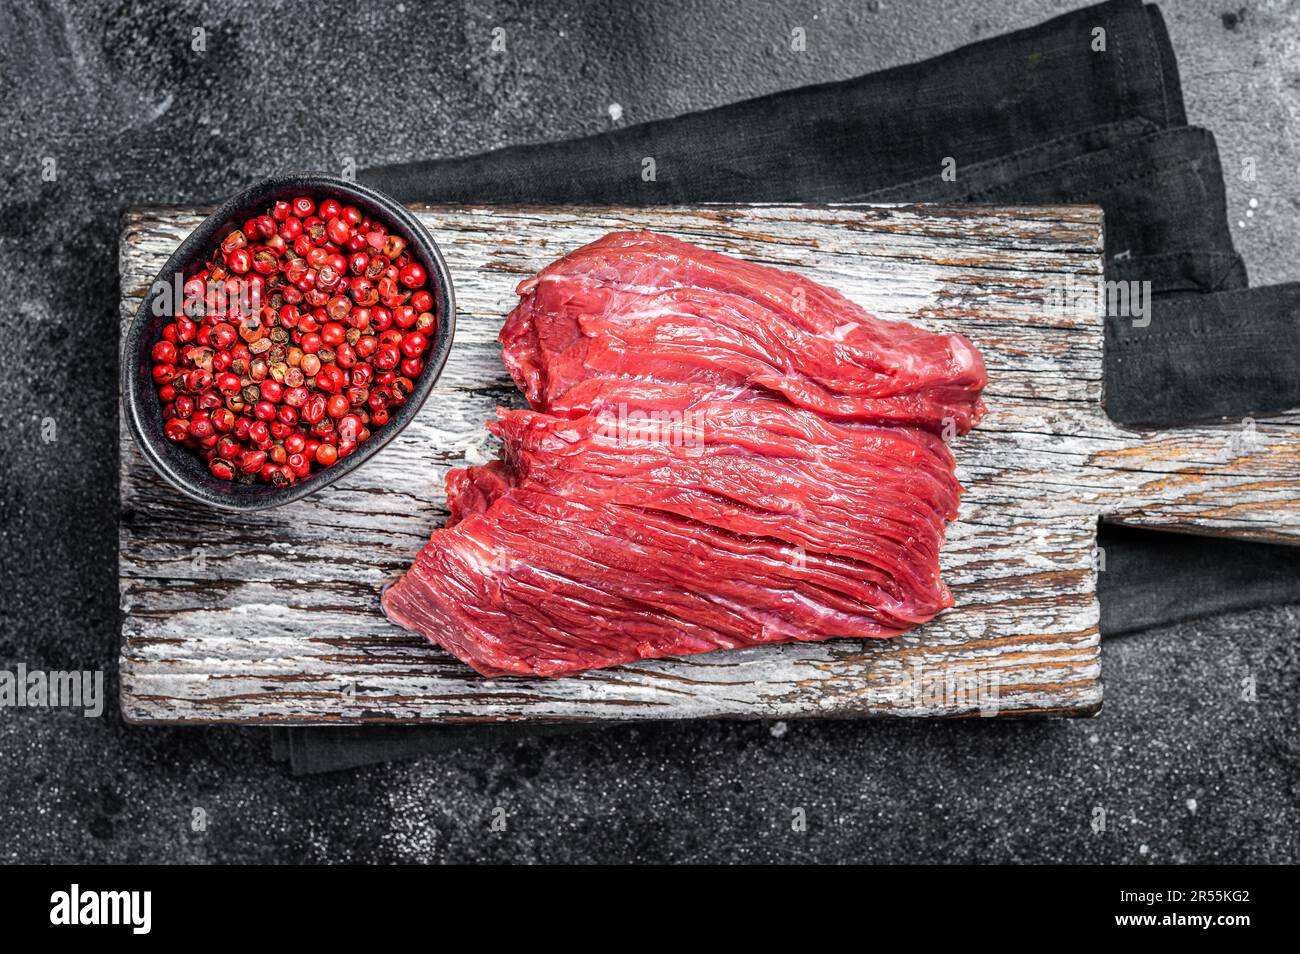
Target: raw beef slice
(718,454)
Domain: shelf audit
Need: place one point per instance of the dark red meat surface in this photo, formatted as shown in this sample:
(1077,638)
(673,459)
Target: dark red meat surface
(718,454)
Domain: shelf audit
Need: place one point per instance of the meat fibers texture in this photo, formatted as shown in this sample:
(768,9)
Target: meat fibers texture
(717,454)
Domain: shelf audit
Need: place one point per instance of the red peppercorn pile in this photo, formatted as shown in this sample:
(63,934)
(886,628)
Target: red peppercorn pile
(302,332)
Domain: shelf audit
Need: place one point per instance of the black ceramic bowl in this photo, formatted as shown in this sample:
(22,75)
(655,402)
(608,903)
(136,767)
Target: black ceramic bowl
(183,468)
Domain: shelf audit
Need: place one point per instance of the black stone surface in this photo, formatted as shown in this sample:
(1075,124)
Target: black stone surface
(1185,765)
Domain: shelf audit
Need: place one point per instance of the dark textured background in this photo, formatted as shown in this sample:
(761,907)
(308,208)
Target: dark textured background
(1186,769)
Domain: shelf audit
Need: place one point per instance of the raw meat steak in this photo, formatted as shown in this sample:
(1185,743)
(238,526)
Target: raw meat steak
(718,454)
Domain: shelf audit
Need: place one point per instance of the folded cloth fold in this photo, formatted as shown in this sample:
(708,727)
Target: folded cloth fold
(1154,579)
(1162,192)
(1237,350)
(839,142)
(1038,116)
(333,748)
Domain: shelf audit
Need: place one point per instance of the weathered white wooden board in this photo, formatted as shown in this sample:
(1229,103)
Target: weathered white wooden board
(274,617)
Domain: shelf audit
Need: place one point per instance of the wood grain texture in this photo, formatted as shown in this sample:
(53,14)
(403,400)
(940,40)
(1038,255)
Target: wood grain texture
(257,619)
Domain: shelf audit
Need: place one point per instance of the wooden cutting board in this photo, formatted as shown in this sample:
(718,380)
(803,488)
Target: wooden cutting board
(274,617)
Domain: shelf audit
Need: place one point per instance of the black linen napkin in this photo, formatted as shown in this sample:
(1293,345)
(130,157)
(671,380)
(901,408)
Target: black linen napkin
(839,142)
(1234,354)
(1036,116)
